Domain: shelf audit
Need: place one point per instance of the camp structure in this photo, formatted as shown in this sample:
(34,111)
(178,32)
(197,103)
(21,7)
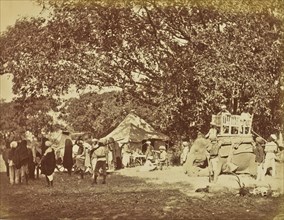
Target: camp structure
(135,131)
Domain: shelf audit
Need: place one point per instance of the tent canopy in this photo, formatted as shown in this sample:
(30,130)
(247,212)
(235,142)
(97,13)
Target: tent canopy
(135,129)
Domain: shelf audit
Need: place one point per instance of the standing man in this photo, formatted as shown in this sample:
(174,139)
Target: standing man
(101,153)
(21,159)
(68,153)
(48,163)
(259,157)
(270,150)
(213,149)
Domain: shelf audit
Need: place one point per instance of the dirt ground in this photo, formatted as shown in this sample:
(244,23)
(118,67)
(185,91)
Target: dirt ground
(130,194)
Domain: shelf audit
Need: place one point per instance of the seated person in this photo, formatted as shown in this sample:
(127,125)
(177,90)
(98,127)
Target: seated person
(223,110)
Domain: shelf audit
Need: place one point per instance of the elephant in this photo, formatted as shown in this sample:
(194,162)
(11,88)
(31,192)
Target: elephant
(196,160)
(235,154)
(237,157)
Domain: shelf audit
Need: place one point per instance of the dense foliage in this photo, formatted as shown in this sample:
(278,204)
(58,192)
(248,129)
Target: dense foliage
(101,113)
(30,114)
(182,59)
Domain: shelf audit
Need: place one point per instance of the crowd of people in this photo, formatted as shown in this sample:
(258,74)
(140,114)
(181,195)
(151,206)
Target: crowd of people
(25,157)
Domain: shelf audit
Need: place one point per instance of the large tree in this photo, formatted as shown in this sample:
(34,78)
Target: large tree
(186,59)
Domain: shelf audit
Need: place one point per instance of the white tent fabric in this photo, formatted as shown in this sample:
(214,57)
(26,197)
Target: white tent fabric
(135,129)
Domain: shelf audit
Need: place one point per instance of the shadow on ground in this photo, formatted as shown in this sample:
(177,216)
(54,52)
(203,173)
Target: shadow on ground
(125,198)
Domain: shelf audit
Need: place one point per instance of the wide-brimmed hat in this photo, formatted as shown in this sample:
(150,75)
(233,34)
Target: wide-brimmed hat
(48,143)
(212,123)
(162,148)
(223,106)
(148,142)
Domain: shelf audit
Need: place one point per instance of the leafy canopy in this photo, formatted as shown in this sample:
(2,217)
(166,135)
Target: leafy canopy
(185,58)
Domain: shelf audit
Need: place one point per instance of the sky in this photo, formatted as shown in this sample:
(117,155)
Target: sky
(10,11)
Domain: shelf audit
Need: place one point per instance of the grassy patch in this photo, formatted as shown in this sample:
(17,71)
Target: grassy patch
(124,198)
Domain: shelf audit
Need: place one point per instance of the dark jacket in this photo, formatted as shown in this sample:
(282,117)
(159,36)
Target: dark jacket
(259,153)
(48,162)
(21,155)
(43,147)
(67,158)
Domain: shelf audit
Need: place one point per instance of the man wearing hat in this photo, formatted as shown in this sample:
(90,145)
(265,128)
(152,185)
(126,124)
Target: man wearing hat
(213,150)
(68,152)
(259,157)
(185,149)
(48,163)
(162,157)
(150,151)
(12,169)
(270,150)
(101,152)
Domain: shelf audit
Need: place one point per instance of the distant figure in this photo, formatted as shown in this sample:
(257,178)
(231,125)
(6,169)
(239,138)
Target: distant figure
(110,156)
(163,157)
(101,153)
(212,133)
(21,159)
(245,118)
(223,110)
(116,155)
(149,151)
(5,153)
(184,151)
(126,153)
(259,157)
(43,139)
(87,143)
(68,153)
(48,163)
(80,158)
(270,150)
(31,161)
(93,155)
(12,169)
(213,150)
